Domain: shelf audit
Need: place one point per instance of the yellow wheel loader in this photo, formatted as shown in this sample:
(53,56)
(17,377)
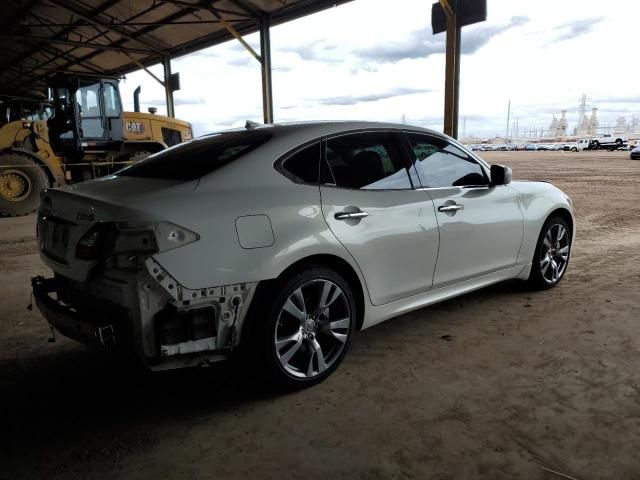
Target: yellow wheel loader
(81,134)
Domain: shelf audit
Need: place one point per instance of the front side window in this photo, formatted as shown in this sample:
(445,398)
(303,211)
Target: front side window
(367,161)
(88,101)
(441,164)
(87,98)
(199,157)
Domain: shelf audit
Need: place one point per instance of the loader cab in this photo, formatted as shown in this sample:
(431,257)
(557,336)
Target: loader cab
(87,115)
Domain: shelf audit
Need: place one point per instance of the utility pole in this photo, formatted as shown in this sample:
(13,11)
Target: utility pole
(506,138)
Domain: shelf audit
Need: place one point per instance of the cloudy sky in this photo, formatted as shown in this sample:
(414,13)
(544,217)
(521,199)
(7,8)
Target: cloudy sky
(378,60)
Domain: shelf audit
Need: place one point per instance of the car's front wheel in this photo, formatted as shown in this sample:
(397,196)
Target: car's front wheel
(552,254)
(306,332)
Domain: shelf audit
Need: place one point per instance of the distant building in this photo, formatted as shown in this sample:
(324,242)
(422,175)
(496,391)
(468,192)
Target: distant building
(621,127)
(558,127)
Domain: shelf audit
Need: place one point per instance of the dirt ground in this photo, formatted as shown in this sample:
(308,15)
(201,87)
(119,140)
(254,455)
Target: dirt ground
(520,381)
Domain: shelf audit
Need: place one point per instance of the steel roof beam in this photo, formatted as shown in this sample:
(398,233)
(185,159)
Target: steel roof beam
(85,58)
(21,12)
(65,31)
(226,23)
(250,9)
(59,54)
(204,6)
(143,31)
(94,46)
(96,22)
(69,57)
(128,24)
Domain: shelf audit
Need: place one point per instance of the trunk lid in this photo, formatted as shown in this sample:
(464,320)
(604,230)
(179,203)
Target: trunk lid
(67,214)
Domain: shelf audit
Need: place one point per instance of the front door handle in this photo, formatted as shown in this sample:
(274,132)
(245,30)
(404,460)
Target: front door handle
(450,208)
(350,215)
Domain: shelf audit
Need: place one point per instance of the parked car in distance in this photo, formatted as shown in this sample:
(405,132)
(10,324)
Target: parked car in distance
(531,147)
(570,146)
(583,144)
(279,242)
(635,152)
(608,141)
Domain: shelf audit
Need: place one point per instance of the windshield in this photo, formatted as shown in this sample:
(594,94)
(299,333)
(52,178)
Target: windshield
(199,157)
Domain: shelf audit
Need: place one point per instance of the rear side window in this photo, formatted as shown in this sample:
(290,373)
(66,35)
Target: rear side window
(199,157)
(367,161)
(303,166)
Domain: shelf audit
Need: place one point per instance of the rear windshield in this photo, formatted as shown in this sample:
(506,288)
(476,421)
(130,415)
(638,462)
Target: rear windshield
(198,157)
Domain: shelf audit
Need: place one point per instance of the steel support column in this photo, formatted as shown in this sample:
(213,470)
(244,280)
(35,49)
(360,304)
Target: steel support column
(166,63)
(452,77)
(265,54)
(456,86)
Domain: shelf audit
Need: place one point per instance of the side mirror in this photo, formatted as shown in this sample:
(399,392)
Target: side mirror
(500,175)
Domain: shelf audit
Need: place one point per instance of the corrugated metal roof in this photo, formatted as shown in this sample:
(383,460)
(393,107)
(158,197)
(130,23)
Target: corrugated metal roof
(115,37)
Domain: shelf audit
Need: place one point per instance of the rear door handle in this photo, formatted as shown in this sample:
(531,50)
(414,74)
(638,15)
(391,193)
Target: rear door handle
(350,215)
(450,208)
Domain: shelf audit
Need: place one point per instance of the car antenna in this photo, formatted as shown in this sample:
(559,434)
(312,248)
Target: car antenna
(250,125)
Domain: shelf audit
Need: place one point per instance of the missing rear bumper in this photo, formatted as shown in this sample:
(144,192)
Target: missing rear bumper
(97,331)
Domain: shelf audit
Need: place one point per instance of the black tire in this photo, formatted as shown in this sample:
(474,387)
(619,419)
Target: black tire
(259,356)
(539,279)
(21,181)
(595,145)
(574,149)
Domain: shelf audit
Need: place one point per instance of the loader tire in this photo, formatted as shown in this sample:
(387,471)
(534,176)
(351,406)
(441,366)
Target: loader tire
(21,181)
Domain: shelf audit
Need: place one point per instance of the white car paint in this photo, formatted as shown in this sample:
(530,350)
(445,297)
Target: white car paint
(222,234)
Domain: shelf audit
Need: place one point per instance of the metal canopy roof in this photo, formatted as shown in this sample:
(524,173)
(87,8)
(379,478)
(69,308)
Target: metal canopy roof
(115,37)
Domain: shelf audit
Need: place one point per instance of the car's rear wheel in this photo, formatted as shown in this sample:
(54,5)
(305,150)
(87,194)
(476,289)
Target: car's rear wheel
(552,254)
(310,318)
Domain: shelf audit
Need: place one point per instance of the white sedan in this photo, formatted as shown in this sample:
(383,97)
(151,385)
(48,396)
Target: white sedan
(281,241)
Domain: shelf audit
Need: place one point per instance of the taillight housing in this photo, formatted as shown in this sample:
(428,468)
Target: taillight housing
(114,238)
(94,244)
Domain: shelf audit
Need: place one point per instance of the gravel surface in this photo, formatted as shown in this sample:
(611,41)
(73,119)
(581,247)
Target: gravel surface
(497,384)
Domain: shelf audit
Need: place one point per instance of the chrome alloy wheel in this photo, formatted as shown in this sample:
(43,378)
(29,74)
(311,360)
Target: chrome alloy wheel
(312,328)
(554,254)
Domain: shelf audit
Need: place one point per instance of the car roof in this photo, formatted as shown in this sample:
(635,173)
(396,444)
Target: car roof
(328,127)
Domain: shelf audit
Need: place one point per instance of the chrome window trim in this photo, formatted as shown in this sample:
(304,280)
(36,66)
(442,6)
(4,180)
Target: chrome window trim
(470,187)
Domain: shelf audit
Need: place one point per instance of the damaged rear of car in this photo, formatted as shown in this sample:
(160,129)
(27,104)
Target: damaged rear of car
(102,240)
